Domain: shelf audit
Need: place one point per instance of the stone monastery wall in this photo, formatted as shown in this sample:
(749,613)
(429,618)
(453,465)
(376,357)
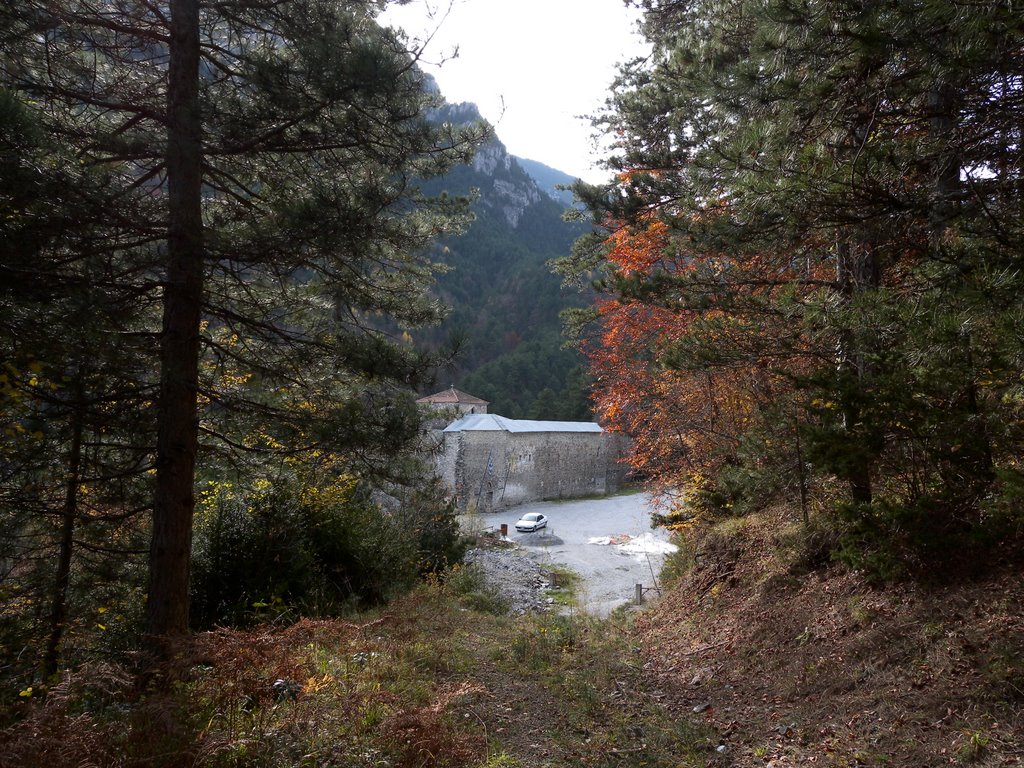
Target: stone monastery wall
(492,469)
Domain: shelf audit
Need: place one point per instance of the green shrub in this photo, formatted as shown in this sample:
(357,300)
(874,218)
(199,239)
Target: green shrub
(930,536)
(273,549)
(806,547)
(677,565)
(430,513)
(1002,511)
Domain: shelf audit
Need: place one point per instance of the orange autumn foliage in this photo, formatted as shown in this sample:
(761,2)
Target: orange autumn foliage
(684,420)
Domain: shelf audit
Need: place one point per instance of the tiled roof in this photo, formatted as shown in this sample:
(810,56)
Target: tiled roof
(451,396)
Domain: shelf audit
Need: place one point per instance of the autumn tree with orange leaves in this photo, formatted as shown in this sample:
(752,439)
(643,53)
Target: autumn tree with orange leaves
(809,264)
(689,383)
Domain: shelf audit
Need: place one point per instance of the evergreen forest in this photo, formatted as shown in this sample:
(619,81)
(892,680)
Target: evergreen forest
(810,269)
(240,238)
(206,214)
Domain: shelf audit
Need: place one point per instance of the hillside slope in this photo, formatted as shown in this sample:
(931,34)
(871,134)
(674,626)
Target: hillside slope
(816,667)
(436,680)
(550,179)
(742,664)
(504,299)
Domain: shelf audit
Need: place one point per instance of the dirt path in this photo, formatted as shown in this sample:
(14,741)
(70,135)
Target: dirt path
(559,691)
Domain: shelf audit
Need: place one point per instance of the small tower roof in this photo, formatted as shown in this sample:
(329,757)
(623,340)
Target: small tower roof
(451,396)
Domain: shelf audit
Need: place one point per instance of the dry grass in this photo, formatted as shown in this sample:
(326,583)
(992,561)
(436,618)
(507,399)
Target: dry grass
(82,721)
(819,667)
(314,693)
(787,662)
(426,683)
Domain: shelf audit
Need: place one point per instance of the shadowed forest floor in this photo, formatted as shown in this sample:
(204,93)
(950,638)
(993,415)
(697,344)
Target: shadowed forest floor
(790,666)
(744,662)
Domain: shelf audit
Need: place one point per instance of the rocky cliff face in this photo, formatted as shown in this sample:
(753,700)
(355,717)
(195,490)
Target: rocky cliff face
(504,186)
(550,180)
(512,200)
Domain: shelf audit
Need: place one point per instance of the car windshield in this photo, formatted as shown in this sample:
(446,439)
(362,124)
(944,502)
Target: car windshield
(531,517)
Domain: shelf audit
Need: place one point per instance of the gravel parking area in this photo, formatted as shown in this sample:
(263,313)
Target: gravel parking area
(516,576)
(608,542)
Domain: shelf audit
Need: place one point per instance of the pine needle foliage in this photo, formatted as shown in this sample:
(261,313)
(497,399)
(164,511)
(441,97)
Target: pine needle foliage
(835,190)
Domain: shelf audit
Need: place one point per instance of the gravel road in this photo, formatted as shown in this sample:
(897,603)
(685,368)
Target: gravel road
(609,542)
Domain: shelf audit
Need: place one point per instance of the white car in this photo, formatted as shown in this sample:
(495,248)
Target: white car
(533,521)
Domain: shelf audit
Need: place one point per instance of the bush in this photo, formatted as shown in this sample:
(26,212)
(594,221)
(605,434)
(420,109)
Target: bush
(269,550)
(806,547)
(473,590)
(929,536)
(677,565)
(430,513)
(1002,511)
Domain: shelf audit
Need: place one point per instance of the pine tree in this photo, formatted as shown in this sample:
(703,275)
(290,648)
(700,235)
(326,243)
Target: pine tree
(73,394)
(840,181)
(267,158)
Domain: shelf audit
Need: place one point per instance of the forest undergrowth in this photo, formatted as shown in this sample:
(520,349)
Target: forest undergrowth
(427,681)
(757,654)
(794,659)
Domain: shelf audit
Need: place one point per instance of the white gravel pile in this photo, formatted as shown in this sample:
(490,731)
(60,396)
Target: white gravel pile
(517,579)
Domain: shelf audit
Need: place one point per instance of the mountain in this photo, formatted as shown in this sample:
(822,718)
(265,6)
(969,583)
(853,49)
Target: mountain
(505,301)
(549,179)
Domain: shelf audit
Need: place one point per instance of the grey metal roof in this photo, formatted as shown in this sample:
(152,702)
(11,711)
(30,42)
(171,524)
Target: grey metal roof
(491,422)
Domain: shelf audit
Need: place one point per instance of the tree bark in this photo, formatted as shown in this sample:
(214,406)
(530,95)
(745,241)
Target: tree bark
(59,605)
(856,271)
(177,419)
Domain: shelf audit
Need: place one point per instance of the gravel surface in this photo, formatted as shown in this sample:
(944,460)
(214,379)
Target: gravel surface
(607,542)
(515,576)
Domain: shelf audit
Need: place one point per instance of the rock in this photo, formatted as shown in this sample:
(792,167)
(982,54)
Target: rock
(515,576)
(702,676)
(285,689)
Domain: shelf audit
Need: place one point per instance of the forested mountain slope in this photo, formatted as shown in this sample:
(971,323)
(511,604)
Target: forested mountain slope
(549,179)
(504,299)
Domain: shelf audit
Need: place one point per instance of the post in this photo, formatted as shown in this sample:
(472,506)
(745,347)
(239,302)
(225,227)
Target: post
(504,530)
(639,599)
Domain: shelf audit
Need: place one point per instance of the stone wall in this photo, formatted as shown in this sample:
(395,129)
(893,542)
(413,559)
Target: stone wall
(492,470)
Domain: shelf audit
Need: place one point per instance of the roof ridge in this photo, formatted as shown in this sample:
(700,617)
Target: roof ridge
(452,395)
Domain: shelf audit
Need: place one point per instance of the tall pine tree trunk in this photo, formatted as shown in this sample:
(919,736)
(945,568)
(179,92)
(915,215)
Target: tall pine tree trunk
(857,270)
(177,427)
(69,514)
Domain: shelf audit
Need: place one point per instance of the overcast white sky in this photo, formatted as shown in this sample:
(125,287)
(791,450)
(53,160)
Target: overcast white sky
(533,67)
